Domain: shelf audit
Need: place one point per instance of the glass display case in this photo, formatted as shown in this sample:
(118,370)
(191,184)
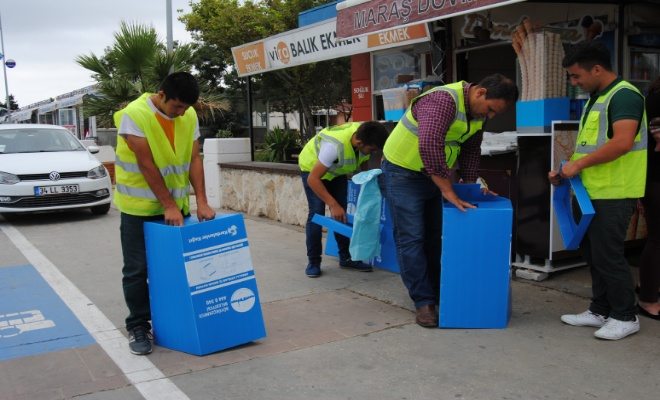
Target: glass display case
(644,67)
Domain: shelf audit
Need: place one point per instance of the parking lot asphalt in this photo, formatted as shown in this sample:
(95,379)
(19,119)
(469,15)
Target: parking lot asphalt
(345,335)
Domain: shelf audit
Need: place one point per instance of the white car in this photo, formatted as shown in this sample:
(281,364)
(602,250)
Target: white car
(45,168)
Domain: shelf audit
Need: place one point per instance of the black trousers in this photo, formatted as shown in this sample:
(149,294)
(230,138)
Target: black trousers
(613,292)
(134,281)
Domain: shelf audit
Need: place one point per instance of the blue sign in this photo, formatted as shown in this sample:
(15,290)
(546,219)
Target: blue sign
(10,63)
(33,319)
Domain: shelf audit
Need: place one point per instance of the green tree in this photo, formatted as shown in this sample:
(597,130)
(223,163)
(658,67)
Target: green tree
(13,105)
(223,24)
(135,63)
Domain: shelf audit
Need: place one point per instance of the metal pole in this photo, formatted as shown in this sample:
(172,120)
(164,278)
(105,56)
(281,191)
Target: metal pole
(4,67)
(170,35)
(249,110)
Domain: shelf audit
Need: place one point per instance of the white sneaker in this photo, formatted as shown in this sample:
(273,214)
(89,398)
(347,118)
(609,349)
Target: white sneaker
(615,329)
(586,318)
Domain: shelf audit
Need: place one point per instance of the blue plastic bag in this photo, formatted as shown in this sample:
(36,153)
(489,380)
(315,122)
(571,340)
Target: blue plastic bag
(365,239)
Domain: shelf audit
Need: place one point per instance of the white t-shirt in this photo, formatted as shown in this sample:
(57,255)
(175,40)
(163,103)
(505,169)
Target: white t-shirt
(328,154)
(128,127)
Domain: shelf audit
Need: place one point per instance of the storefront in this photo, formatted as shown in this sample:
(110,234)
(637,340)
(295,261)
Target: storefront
(468,40)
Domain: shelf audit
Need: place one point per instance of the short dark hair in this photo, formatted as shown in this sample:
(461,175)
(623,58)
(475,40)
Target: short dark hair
(588,54)
(372,133)
(180,86)
(499,86)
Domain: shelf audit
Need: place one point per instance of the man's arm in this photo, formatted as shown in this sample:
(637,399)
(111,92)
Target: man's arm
(204,211)
(622,141)
(434,114)
(470,157)
(145,160)
(314,182)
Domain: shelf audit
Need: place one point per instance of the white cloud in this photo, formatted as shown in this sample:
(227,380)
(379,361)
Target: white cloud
(44,37)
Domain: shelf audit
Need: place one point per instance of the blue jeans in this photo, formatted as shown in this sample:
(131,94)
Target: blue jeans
(416,209)
(338,189)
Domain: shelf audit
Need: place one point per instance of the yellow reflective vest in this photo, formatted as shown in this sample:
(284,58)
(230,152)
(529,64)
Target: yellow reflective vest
(132,193)
(340,136)
(623,178)
(402,146)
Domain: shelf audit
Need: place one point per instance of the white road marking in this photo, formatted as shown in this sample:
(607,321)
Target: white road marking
(142,373)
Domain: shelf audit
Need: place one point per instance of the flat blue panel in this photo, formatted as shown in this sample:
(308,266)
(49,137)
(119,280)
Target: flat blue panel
(317,14)
(33,319)
(333,225)
(475,287)
(572,232)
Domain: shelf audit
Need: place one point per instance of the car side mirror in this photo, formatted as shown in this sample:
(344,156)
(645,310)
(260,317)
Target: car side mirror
(93,149)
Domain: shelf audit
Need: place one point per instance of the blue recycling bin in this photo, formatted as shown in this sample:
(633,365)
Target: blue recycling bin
(202,287)
(475,290)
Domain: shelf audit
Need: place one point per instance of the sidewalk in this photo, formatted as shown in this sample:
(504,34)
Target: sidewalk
(352,335)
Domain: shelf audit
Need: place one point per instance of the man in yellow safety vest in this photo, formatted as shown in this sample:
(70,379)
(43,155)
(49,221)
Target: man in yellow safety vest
(441,128)
(157,159)
(325,162)
(610,157)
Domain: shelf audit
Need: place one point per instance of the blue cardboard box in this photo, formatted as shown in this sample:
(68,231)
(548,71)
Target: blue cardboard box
(537,115)
(202,287)
(475,290)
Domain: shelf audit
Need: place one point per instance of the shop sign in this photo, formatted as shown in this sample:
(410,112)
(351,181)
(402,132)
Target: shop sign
(316,43)
(358,17)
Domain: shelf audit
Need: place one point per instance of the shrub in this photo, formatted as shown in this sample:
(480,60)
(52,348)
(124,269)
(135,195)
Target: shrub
(278,141)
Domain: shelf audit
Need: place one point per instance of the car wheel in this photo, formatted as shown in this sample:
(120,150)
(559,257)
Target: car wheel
(100,210)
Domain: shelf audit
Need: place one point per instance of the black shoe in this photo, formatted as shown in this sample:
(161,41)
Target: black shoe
(355,265)
(139,340)
(642,311)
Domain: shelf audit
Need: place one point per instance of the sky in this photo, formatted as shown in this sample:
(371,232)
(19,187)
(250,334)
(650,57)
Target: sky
(44,37)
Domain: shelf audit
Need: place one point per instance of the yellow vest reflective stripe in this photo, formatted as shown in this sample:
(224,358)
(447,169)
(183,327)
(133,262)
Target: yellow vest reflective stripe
(402,146)
(340,136)
(132,193)
(624,177)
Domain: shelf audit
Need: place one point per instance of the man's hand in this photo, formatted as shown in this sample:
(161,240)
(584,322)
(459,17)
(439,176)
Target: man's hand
(448,193)
(554,177)
(337,212)
(205,212)
(453,198)
(173,216)
(570,169)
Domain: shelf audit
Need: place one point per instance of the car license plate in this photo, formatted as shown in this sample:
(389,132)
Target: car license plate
(58,189)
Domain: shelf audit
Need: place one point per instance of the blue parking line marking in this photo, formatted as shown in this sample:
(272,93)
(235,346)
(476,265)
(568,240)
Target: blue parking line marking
(33,319)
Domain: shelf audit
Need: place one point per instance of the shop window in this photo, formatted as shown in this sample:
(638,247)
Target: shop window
(393,68)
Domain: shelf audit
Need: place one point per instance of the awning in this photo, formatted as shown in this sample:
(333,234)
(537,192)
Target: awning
(70,101)
(52,106)
(18,116)
(359,17)
(316,43)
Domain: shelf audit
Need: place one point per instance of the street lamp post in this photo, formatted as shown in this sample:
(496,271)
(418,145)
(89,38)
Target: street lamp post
(4,68)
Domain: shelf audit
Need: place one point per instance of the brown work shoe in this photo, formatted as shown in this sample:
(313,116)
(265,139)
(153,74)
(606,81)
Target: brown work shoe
(426,316)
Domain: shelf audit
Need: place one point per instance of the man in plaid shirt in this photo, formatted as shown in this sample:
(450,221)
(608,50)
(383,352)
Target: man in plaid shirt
(442,127)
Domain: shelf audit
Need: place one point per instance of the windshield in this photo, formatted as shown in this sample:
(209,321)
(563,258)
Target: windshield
(36,140)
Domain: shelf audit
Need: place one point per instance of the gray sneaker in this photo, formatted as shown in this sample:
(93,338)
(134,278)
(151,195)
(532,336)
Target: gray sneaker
(139,340)
(586,318)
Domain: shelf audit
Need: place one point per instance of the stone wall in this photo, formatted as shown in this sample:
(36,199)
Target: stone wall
(263,189)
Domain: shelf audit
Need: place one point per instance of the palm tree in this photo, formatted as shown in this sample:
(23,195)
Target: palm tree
(136,63)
